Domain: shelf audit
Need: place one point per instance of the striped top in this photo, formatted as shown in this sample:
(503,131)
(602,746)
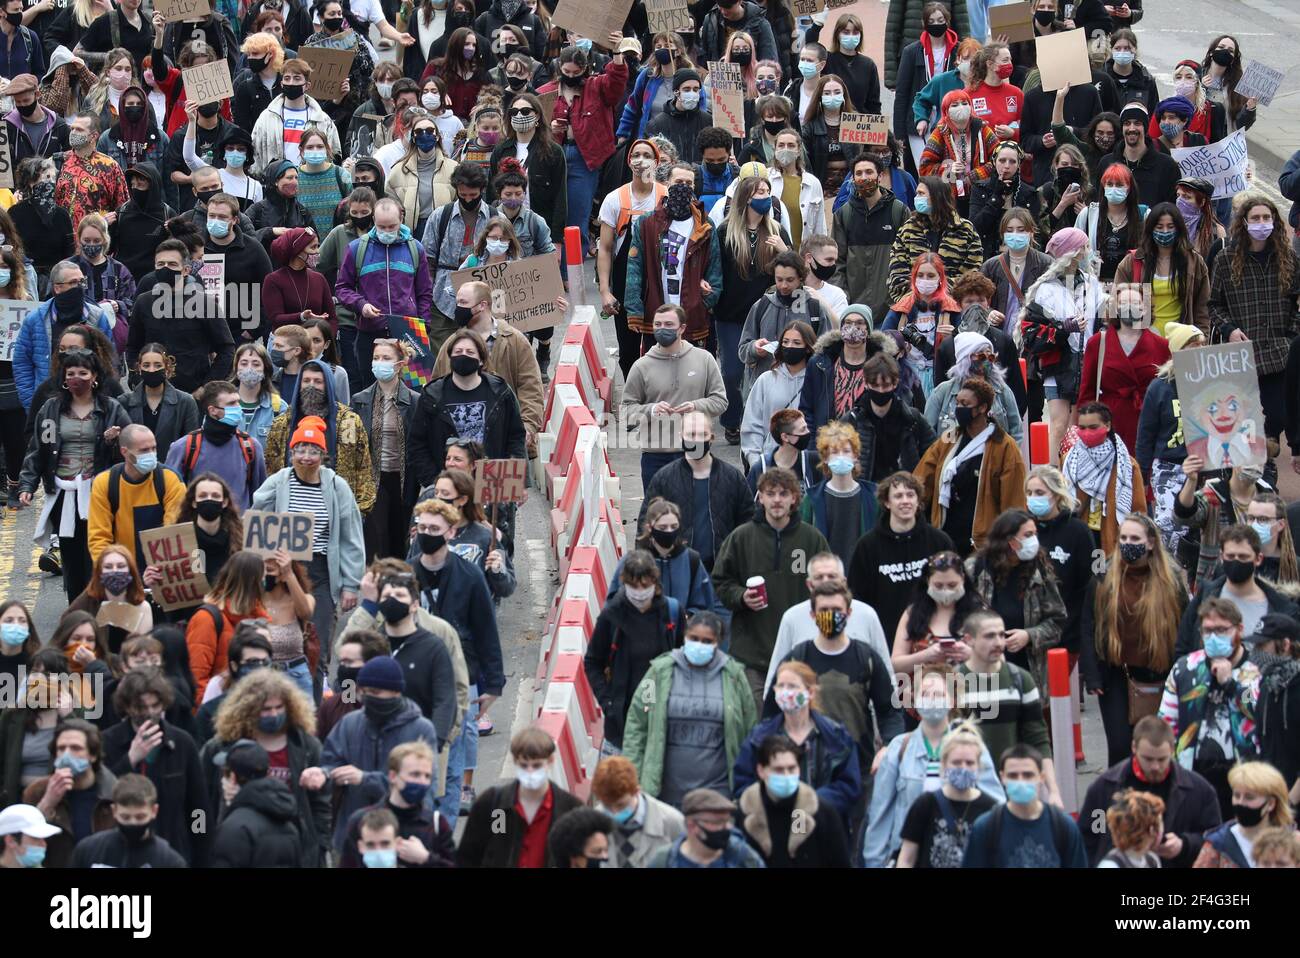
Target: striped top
(1008,707)
(308,497)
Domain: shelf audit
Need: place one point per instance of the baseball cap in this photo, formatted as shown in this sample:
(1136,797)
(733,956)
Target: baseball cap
(245,758)
(1273,627)
(26,820)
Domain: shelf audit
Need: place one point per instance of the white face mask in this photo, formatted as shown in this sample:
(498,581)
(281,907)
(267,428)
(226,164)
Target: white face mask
(926,287)
(639,596)
(963,68)
(946,596)
(431,101)
(1028,549)
(959,114)
(531,778)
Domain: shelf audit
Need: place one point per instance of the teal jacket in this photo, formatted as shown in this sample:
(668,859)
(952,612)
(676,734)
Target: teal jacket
(645,734)
(926,105)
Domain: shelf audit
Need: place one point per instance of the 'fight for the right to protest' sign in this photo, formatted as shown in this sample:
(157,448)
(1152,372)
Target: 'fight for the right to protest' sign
(728,93)
(524,291)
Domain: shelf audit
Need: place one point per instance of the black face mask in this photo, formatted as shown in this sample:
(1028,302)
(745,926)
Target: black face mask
(291,91)
(464,365)
(134,834)
(1246,816)
(774,126)
(793,354)
(203,196)
(742,58)
(134,114)
(166,276)
(333,24)
(1044,17)
(429,544)
(716,840)
(378,709)
(936,30)
(1223,58)
(678,202)
(70,301)
(141,197)
(517,83)
(362,224)
(464,315)
(209,110)
(573,83)
(801,442)
(394,610)
(965,415)
(154,377)
(455,20)
(15,19)
(716,169)
(347,673)
(1237,571)
(823,273)
(881,397)
(469,206)
(209,510)
(665,537)
(31,109)
(256,64)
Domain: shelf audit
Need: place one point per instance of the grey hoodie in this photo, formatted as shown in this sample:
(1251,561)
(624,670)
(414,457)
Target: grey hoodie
(691,375)
(696,753)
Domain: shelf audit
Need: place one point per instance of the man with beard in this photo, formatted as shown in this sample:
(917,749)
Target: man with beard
(1156,174)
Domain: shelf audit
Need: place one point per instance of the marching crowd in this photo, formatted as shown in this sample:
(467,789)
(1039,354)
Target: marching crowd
(834,655)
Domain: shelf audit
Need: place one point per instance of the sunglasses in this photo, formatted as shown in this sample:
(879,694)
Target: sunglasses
(945,561)
(523,111)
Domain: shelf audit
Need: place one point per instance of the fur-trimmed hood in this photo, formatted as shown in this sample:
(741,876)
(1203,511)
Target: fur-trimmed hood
(806,804)
(831,343)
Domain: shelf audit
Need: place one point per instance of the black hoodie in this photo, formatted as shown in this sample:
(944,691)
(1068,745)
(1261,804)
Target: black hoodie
(110,849)
(681,127)
(887,565)
(1278,714)
(260,830)
(142,226)
(274,209)
(489,25)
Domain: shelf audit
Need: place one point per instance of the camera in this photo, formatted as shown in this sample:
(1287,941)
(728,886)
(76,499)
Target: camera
(918,341)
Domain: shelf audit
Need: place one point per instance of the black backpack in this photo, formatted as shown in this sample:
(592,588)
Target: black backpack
(115,485)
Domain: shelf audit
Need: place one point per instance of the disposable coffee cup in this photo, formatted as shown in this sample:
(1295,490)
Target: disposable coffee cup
(759,583)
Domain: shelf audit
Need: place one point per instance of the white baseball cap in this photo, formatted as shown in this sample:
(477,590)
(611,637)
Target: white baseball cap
(28,820)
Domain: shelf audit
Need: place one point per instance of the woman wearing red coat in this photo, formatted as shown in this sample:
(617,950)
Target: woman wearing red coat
(1129,362)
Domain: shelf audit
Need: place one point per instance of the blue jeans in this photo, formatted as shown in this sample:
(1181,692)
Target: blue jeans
(300,675)
(582,190)
(463,754)
(652,462)
(732,371)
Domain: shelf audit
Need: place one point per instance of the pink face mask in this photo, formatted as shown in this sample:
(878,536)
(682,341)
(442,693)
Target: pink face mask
(119,79)
(926,287)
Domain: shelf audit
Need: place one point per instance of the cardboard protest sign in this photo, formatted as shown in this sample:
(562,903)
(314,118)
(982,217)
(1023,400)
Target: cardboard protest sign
(523,291)
(593,19)
(329,68)
(1218,393)
(122,615)
(668,15)
(176,10)
(12,314)
(728,93)
(172,549)
(414,332)
(1015,21)
(209,83)
(500,480)
(265,532)
(548,105)
(1222,163)
(806,8)
(6,168)
(1260,82)
(1062,59)
(871,129)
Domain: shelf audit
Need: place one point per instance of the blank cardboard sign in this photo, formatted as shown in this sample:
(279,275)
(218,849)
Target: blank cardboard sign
(1062,59)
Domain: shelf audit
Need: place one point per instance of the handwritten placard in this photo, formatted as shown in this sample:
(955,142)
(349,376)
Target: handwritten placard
(806,8)
(1062,59)
(594,19)
(1223,164)
(172,550)
(329,68)
(6,168)
(1260,81)
(209,83)
(1015,21)
(869,129)
(1222,417)
(500,480)
(668,15)
(524,291)
(12,314)
(174,11)
(266,532)
(728,96)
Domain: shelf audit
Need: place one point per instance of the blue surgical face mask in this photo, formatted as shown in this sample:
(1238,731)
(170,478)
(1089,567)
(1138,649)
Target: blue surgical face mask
(5,276)
(380,857)
(1116,194)
(383,371)
(762,205)
(32,856)
(1016,242)
(1264,530)
(147,462)
(1217,646)
(1039,505)
(218,228)
(850,41)
(584,45)
(1022,793)
(841,465)
(809,70)
(314,157)
(921,203)
(782,786)
(388,239)
(698,653)
(1123,57)
(625,816)
(235,159)
(13,633)
(232,415)
(832,101)
(73,763)
(497,247)
(960,777)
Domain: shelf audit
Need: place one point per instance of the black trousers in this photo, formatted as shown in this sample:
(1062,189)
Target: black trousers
(388,526)
(12,424)
(1113,706)
(629,342)
(74,554)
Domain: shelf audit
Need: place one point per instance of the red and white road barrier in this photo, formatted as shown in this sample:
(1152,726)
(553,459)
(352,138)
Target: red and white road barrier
(1058,686)
(571,717)
(1039,444)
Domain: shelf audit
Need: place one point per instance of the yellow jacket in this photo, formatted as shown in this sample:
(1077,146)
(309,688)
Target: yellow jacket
(353,454)
(137,508)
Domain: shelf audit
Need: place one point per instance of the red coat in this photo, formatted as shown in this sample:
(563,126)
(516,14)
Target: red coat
(592,113)
(1124,379)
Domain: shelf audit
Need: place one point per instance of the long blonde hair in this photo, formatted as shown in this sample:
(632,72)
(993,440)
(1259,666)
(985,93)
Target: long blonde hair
(97,98)
(85,13)
(1158,611)
(734,232)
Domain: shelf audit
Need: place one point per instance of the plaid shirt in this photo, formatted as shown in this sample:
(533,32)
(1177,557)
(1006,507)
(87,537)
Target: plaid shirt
(1256,307)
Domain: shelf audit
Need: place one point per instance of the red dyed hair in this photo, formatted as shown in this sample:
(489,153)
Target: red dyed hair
(954,96)
(1117,174)
(935,260)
